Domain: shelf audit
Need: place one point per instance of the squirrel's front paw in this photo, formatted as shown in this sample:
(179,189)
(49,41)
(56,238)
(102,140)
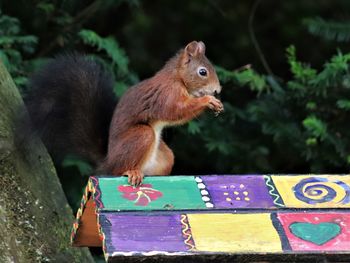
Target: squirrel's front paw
(135,177)
(215,105)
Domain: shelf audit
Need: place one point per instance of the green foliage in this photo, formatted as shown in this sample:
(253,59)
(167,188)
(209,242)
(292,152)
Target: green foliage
(13,45)
(110,46)
(316,127)
(334,73)
(286,125)
(116,62)
(310,113)
(193,127)
(245,76)
(301,71)
(343,104)
(330,30)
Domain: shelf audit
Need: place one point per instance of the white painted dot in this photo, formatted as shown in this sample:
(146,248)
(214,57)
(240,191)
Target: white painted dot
(209,205)
(201,186)
(198,180)
(205,198)
(245,193)
(228,199)
(204,192)
(225,193)
(236,193)
(232,186)
(241,186)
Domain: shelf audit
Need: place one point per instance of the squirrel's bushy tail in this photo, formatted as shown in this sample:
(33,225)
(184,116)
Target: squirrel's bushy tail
(71,103)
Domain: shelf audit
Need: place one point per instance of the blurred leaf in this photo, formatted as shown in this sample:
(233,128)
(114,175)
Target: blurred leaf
(74,161)
(343,104)
(311,105)
(19,81)
(317,127)
(219,146)
(330,30)
(311,141)
(301,71)
(48,8)
(120,88)
(333,72)
(193,127)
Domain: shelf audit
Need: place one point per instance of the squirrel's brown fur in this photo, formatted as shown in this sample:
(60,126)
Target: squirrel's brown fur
(169,98)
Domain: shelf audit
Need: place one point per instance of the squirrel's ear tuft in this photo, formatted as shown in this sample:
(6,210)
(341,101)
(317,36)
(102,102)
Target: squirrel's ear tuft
(194,48)
(201,47)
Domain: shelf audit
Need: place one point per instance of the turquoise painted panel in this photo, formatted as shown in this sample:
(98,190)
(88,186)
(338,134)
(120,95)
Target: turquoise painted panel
(175,193)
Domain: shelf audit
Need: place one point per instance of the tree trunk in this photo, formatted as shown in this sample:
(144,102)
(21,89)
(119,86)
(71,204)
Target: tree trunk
(35,218)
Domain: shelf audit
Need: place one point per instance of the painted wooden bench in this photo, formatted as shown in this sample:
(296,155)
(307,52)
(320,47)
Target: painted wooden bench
(215,215)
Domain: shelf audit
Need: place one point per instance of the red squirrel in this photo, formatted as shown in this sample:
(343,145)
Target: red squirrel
(71,106)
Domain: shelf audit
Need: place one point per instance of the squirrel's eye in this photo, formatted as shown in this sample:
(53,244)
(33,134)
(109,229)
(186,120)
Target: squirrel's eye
(202,71)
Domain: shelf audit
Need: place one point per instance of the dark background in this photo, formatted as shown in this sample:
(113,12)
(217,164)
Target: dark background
(283,113)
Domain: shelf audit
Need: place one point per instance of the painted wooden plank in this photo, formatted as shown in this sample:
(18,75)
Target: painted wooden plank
(218,214)
(277,232)
(225,192)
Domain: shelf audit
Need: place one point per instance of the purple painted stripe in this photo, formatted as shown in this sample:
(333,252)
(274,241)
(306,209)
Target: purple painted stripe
(142,233)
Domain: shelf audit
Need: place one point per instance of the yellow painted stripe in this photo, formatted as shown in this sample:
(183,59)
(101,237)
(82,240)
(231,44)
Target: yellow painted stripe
(241,233)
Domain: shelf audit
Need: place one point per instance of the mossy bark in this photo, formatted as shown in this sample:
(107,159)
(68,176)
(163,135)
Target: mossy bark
(35,218)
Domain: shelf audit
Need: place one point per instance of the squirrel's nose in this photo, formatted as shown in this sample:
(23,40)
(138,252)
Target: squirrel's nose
(217,90)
